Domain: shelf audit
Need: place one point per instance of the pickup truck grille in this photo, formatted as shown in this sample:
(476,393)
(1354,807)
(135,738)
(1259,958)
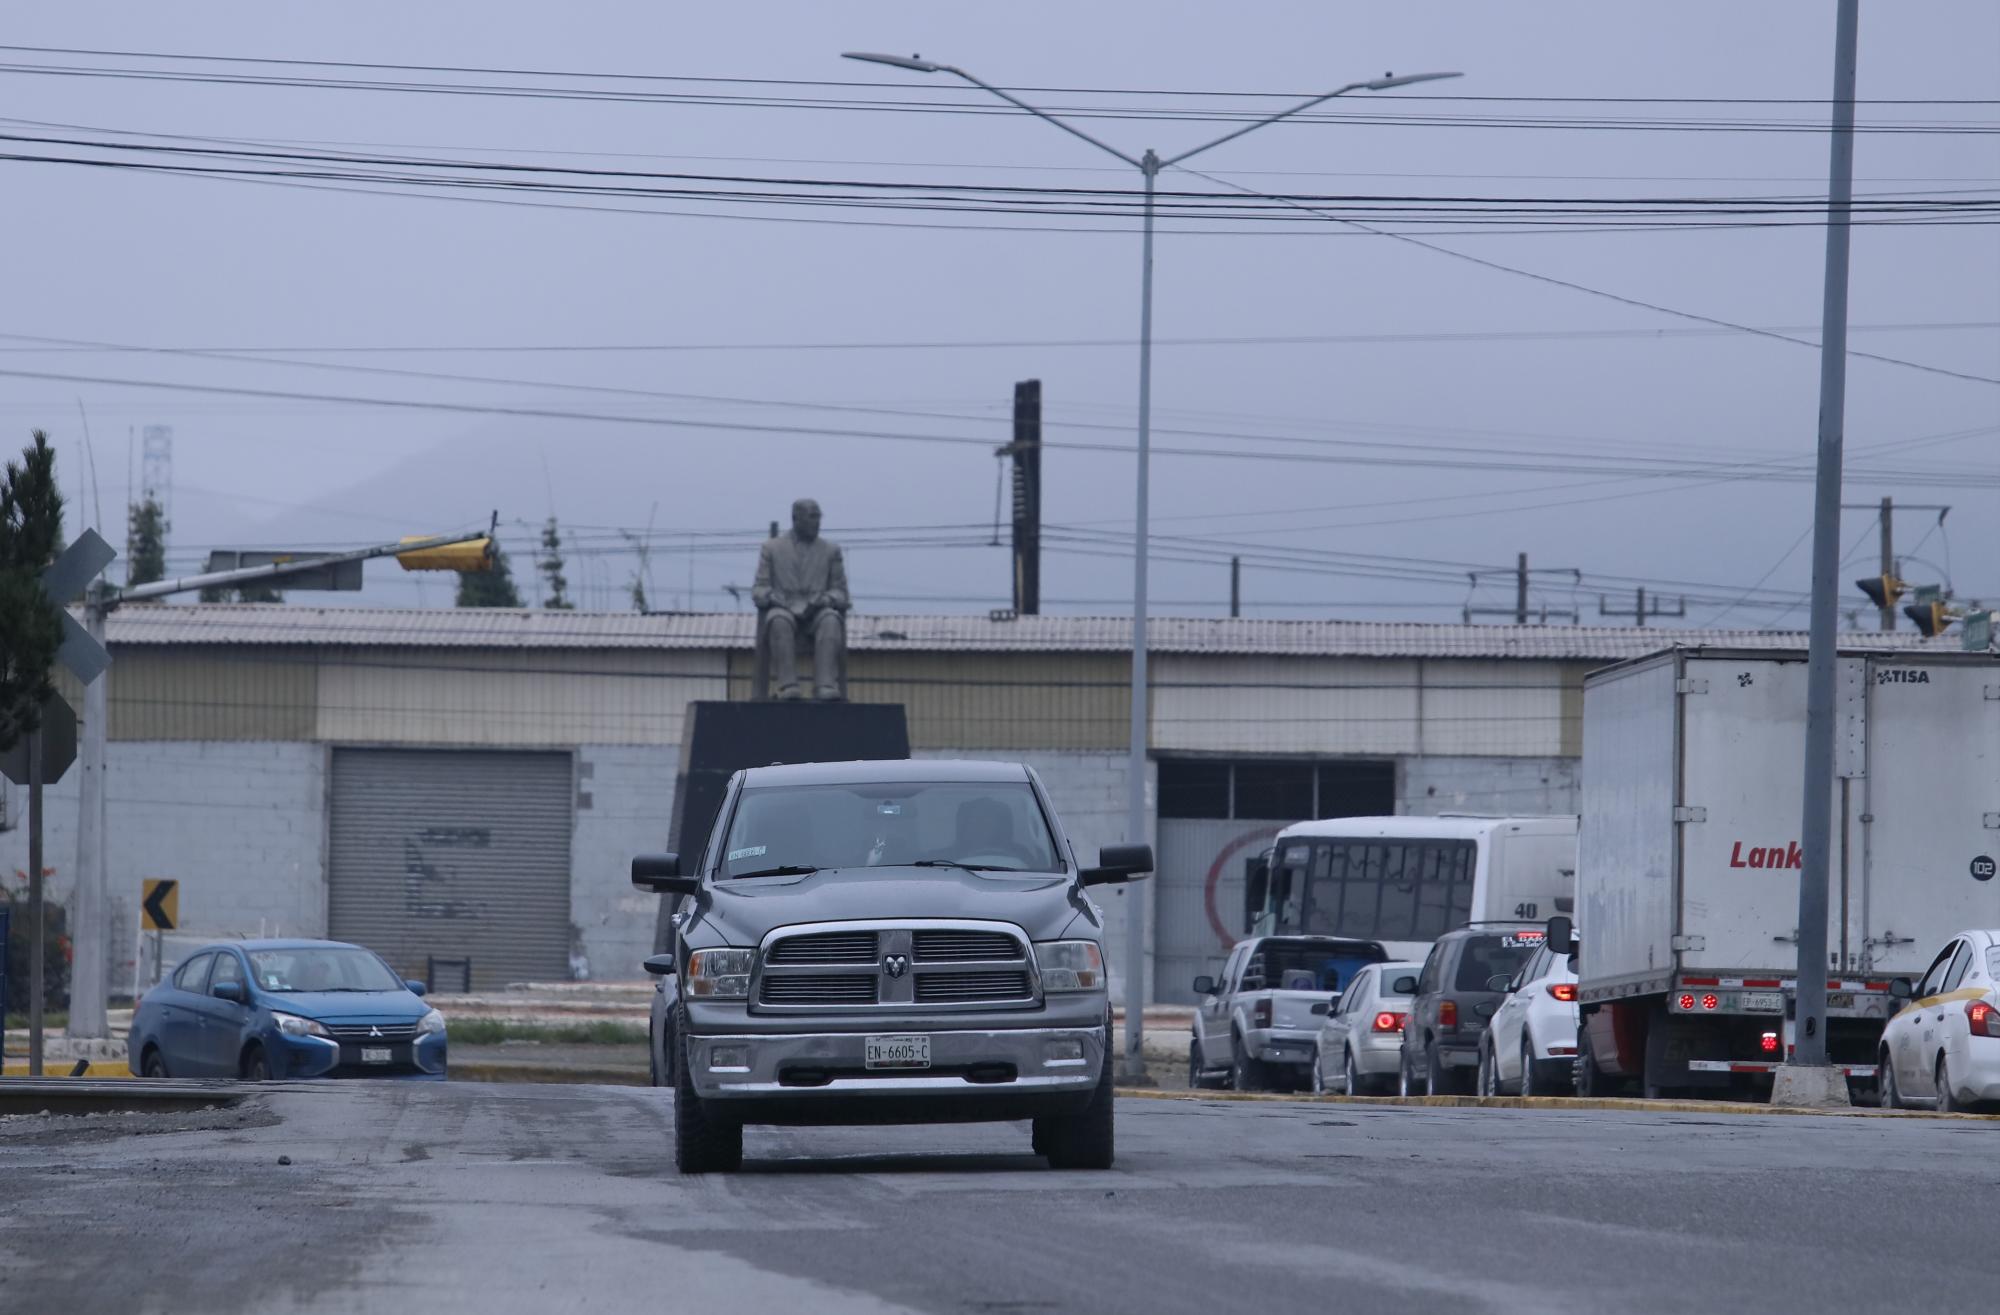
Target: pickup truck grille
(825,947)
(953,987)
(896,964)
(820,989)
(947,946)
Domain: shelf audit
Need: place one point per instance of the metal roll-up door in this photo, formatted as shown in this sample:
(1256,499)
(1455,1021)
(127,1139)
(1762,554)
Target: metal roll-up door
(454,855)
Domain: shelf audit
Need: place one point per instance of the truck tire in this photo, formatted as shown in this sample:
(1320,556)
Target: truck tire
(1245,1073)
(1085,1139)
(705,1140)
(1590,1080)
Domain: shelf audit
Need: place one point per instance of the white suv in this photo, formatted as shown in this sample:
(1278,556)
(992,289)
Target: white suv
(1530,1048)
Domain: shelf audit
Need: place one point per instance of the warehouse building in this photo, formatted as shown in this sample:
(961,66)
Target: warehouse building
(463,789)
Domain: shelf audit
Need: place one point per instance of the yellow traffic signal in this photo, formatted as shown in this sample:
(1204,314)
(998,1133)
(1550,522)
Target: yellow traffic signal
(468,555)
(1931,617)
(1882,590)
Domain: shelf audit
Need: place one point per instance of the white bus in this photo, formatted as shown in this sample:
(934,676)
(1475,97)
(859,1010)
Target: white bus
(1405,881)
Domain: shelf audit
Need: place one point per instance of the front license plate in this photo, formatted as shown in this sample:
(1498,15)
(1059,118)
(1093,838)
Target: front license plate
(898,1052)
(1764,1002)
(374,1054)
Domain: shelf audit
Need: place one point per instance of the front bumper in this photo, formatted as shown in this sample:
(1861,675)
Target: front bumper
(1060,1061)
(1281,1045)
(319,1057)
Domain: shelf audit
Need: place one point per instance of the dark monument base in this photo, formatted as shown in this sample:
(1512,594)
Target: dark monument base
(720,739)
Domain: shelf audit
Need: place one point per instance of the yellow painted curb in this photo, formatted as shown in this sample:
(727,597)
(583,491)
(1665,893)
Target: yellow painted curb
(1546,1103)
(53,1069)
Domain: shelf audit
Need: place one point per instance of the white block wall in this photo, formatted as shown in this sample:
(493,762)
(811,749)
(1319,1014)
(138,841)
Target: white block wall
(1513,786)
(624,806)
(241,826)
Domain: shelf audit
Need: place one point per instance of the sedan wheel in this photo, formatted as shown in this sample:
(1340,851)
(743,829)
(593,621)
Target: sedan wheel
(1885,1084)
(1947,1101)
(1318,1078)
(256,1068)
(1350,1077)
(153,1066)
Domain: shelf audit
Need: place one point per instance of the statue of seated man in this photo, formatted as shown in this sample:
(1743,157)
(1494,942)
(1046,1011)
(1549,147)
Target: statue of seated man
(801,589)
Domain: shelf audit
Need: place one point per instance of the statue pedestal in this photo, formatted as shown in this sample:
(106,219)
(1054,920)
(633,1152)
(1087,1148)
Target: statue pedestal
(720,739)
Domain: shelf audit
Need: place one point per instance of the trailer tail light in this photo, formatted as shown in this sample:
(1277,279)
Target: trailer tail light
(1448,1014)
(1686,1001)
(1388,1022)
(1769,1042)
(1982,1018)
(1564,991)
(1709,1001)
(1260,1014)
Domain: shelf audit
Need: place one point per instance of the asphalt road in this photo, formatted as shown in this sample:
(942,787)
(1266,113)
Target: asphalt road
(469,1197)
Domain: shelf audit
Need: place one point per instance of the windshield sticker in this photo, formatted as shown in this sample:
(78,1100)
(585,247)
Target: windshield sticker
(1522,939)
(749,851)
(890,807)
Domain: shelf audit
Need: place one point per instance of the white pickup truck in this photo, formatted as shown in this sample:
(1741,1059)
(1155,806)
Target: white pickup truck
(1256,1025)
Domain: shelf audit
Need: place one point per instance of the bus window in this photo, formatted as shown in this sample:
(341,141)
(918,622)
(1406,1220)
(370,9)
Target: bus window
(1410,890)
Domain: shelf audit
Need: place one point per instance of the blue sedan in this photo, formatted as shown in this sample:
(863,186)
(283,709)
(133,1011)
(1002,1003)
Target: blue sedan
(285,1009)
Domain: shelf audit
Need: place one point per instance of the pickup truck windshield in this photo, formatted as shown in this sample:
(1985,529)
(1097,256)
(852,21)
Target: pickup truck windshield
(994,825)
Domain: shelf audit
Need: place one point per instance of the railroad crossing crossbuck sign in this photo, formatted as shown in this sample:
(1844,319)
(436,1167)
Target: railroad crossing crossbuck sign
(161,904)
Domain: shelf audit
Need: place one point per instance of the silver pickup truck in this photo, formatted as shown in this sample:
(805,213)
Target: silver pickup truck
(888,942)
(1257,1025)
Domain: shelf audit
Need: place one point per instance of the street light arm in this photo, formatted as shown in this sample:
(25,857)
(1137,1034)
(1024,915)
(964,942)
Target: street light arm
(1014,100)
(1378,84)
(916,65)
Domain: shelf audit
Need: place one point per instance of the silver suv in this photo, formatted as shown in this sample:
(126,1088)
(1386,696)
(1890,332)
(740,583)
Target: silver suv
(889,942)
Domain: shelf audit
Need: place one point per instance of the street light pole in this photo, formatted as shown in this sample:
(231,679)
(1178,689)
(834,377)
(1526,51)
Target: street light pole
(1806,1078)
(1149,166)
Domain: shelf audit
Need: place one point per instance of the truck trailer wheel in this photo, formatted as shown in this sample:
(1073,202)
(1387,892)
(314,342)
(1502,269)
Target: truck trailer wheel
(1083,1140)
(705,1141)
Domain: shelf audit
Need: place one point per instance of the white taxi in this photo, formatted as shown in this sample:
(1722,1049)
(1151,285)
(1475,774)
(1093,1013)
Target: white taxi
(1943,1050)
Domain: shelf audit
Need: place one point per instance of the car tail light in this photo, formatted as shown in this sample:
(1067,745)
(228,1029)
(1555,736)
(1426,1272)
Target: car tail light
(1687,1000)
(1448,1014)
(1982,1018)
(1388,1022)
(1260,1014)
(1564,991)
(1769,1041)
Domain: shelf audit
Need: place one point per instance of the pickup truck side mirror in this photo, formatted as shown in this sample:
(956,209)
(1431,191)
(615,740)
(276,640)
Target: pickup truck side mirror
(1116,863)
(661,874)
(1901,988)
(1561,935)
(661,965)
(1204,985)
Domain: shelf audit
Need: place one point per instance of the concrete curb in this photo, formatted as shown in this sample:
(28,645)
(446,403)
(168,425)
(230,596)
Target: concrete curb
(1550,1103)
(88,1096)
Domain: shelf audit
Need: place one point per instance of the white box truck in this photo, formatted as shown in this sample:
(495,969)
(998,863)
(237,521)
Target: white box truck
(1688,855)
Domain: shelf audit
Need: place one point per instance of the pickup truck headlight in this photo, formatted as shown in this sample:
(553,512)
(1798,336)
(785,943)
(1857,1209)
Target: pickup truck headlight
(1070,966)
(719,974)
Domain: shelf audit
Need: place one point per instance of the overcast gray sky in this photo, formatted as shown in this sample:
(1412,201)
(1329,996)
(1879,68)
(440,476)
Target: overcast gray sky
(1443,413)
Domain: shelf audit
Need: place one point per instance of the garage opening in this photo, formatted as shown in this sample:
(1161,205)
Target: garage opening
(456,856)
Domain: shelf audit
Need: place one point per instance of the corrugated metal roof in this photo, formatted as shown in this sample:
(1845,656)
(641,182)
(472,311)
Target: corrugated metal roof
(504,628)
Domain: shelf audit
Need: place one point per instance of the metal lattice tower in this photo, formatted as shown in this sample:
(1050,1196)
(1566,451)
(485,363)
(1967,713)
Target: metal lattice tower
(156,471)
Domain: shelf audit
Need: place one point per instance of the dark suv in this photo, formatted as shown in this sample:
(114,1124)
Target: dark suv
(1456,996)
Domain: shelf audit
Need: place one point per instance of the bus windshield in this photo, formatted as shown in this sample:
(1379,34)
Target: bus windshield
(1413,889)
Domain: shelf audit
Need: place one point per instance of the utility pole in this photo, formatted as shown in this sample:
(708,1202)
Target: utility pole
(1640,610)
(1519,611)
(1025,453)
(1235,586)
(1888,558)
(1805,1079)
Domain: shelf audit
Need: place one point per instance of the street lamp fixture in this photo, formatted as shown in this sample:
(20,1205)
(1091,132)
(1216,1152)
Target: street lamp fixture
(1149,165)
